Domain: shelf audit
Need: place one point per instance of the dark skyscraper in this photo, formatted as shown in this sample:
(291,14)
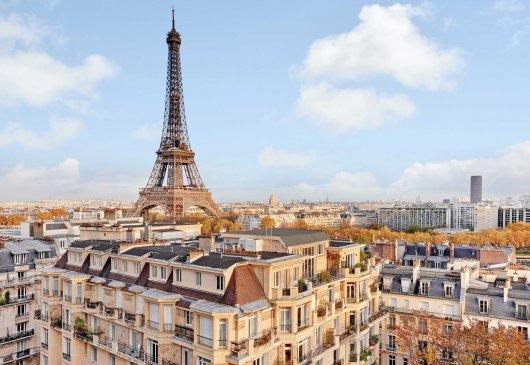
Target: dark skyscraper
(476,189)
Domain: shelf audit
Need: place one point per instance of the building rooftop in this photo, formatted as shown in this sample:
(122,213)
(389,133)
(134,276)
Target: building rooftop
(291,237)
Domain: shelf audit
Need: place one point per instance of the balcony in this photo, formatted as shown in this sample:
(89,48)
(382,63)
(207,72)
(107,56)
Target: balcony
(167,328)
(421,313)
(66,356)
(130,319)
(205,341)
(222,343)
(91,305)
(239,349)
(78,300)
(184,332)
(84,335)
(57,293)
(153,325)
(131,351)
(151,359)
(46,292)
(44,345)
(263,339)
(67,326)
(105,341)
(21,315)
(339,304)
(56,323)
(23,353)
(68,298)
(303,323)
(16,281)
(109,312)
(168,362)
(285,328)
(17,336)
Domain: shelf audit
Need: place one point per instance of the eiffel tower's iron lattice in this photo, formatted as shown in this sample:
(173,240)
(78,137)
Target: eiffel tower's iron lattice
(175,183)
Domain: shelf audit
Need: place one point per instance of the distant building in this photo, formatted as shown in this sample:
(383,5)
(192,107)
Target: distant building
(402,217)
(61,232)
(272,200)
(476,189)
(512,214)
(473,217)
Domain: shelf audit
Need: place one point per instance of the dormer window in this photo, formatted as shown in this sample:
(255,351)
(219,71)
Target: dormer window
(483,306)
(163,273)
(522,311)
(448,291)
(154,271)
(20,259)
(424,288)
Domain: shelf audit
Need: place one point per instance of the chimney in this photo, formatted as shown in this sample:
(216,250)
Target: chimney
(415,271)
(194,255)
(451,251)
(396,244)
(427,250)
(505,289)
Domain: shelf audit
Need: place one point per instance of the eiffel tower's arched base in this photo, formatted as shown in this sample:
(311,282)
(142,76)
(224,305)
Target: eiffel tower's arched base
(176,202)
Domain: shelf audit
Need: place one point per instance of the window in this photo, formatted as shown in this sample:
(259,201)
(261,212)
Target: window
(448,291)
(114,264)
(205,331)
(67,345)
(524,331)
(252,326)
(154,271)
(483,306)
(392,322)
(163,273)
(320,249)
(20,259)
(437,265)
(112,360)
(522,311)
(45,336)
(125,265)
(178,275)
(198,278)
(391,343)
(21,310)
(189,318)
(277,279)
(220,283)
(136,267)
(93,354)
(203,361)
(152,350)
(44,360)
(285,320)
(424,288)
(222,332)
(422,324)
(405,361)
(258,361)
(392,360)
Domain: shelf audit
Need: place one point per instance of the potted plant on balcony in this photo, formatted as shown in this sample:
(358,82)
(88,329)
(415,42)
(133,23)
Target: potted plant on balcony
(329,338)
(325,277)
(374,340)
(8,297)
(302,285)
(321,310)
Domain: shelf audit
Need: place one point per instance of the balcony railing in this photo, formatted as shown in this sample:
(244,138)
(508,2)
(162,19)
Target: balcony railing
(153,325)
(67,326)
(66,356)
(223,343)
(151,359)
(205,341)
(285,328)
(263,339)
(46,291)
(184,332)
(23,353)
(105,341)
(44,345)
(90,304)
(21,315)
(168,362)
(17,336)
(78,300)
(84,335)
(421,313)
(168,327)
(132,351)
(238,348)
(68,298)
(57,293)
(303,323)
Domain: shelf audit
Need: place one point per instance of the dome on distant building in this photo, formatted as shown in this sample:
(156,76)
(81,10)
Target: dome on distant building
(272,200)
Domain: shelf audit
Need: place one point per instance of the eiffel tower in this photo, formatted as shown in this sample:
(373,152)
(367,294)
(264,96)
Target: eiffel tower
(175,183)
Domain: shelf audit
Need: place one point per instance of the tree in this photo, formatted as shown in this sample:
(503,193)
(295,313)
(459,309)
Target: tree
(508,347)
(413,228)
(58,213)
(300,224)
(44,216)
(267,222)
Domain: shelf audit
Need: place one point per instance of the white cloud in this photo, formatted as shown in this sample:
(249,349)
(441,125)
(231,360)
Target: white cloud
(506,174)
(37,79)
(31,76)
(351,109)
(386,42)
(147,132)
(60,131)
(344,186)
(25,178)
(509,5)
(271,156)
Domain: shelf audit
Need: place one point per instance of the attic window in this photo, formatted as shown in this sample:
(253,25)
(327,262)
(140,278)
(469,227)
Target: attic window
(20,258)
(424,288)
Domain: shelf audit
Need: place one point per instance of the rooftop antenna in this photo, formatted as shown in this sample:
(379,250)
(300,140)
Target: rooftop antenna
(173,17)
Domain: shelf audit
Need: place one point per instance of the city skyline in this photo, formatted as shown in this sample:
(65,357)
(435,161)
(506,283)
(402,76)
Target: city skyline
(371,86)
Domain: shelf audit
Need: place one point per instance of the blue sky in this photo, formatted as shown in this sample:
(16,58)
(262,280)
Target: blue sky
(351,101)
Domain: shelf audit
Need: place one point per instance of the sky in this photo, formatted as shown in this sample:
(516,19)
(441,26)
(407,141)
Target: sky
(343,100)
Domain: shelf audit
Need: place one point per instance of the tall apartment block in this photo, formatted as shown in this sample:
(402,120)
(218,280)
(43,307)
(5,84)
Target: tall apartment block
(476,189)
(253,298)
(402,217)
(21,263)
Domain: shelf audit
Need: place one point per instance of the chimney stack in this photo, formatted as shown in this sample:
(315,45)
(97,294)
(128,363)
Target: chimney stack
(427,250)
(505,289)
